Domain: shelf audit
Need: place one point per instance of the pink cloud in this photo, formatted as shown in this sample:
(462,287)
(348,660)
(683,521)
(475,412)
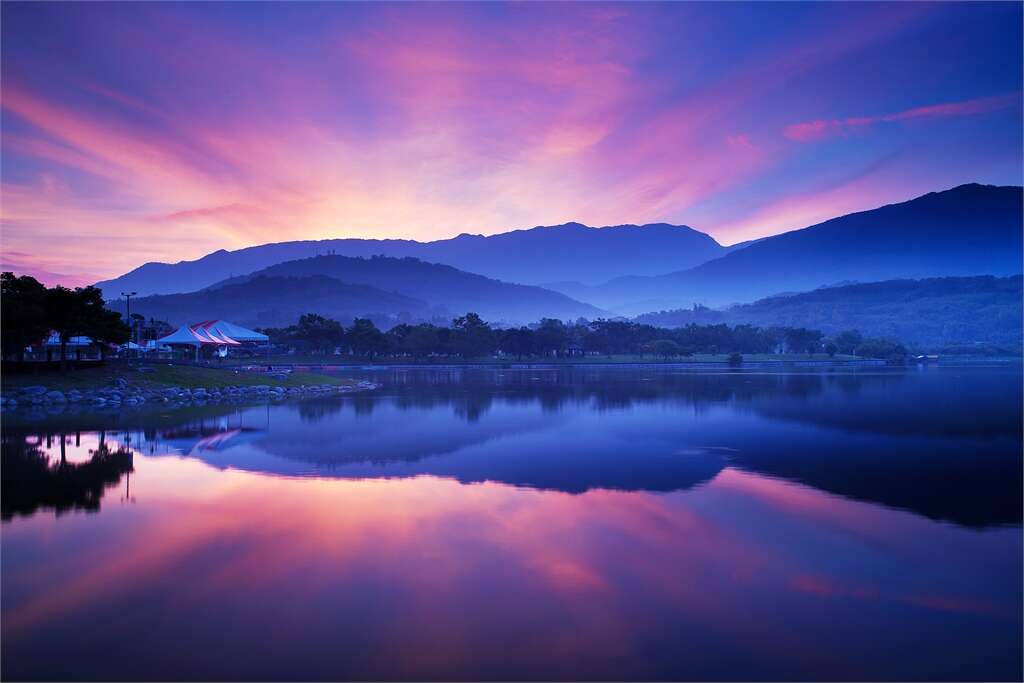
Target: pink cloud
(820,129)
(422,124)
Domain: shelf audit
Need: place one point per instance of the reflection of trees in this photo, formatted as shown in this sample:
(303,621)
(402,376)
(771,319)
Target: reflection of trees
(318,409)
(31,480)
(470,393)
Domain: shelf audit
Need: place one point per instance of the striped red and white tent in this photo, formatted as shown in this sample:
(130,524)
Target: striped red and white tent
(223,328)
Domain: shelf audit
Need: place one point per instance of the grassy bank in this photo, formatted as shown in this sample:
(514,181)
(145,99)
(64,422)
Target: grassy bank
(161,377)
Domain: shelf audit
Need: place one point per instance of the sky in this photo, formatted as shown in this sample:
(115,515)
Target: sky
(136,132)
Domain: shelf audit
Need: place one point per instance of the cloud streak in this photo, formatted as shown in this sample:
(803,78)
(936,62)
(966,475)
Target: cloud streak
(425,121)
(820,129)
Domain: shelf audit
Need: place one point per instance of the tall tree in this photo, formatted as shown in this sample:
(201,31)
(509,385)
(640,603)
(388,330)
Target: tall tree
(22,313)
(518,341)
(473,336)
(81,311)
(106,327)
(364,338)
(551,336)
(318,333)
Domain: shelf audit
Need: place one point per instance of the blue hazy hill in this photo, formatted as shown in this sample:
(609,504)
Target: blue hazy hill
(966,231)
(571,251)
(448,291)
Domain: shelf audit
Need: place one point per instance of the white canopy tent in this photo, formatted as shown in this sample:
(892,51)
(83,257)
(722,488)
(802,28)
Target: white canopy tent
(183,336)
(197,336)
(225,329)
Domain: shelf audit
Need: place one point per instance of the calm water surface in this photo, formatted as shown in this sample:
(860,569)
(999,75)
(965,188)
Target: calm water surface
(527,524)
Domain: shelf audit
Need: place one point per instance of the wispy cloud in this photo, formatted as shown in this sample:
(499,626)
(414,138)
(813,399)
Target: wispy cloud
(422,121)
(821,129)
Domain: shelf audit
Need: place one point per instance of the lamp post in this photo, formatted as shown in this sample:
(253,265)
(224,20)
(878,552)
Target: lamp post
(131,328)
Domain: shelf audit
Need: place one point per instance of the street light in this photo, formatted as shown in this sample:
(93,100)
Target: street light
(131,328)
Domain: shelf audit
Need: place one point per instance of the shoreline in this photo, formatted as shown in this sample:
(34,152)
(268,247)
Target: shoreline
(117,385)
(526,365)
(121,396)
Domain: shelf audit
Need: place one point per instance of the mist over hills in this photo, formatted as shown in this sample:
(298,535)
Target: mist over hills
(571,251)
(968,230)
(443,291)
(276,301)
(931,313)
(382,288)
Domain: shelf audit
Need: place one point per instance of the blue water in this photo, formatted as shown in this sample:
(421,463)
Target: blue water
(528,524)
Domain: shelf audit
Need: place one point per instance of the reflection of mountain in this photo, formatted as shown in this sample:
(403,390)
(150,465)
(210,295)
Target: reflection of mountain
(941,442)
(515,445)
(31,481)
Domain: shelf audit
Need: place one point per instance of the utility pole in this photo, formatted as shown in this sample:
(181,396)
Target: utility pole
(131,328)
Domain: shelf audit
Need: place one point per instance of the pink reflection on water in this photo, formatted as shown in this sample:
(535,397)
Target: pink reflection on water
(595,574)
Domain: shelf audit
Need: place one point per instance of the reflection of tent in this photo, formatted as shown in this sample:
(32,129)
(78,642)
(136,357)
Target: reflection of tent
(195,442)
(223,328)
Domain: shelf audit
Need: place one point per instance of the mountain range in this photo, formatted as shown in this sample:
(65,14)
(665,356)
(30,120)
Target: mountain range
(572,252)
(970,230)
(983,312)
(344,287)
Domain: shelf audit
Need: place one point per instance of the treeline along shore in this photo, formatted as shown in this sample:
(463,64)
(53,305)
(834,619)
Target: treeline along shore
(32,312)
(470,338)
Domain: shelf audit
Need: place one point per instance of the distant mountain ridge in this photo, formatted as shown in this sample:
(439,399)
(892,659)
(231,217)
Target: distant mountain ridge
(275,302)
(448,289)
(571,251)
(966,231)
(378,285)
(930,313)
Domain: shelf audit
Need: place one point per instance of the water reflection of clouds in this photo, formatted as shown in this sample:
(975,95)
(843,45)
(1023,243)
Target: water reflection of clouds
(410,574)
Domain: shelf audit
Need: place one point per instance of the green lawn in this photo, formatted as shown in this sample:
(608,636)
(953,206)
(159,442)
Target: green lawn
(163,375)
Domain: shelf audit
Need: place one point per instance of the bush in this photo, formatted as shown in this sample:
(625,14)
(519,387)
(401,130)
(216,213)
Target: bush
(735,359)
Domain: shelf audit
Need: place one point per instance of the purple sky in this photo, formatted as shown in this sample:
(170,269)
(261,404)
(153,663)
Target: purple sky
(160,131)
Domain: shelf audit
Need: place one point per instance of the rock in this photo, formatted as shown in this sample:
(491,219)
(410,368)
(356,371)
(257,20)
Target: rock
(146,369)
(121,383)
(11,402)
(99,401)
(56,397)
(34,390)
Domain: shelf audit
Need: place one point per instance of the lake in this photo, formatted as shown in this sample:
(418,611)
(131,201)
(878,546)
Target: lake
(585,523)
